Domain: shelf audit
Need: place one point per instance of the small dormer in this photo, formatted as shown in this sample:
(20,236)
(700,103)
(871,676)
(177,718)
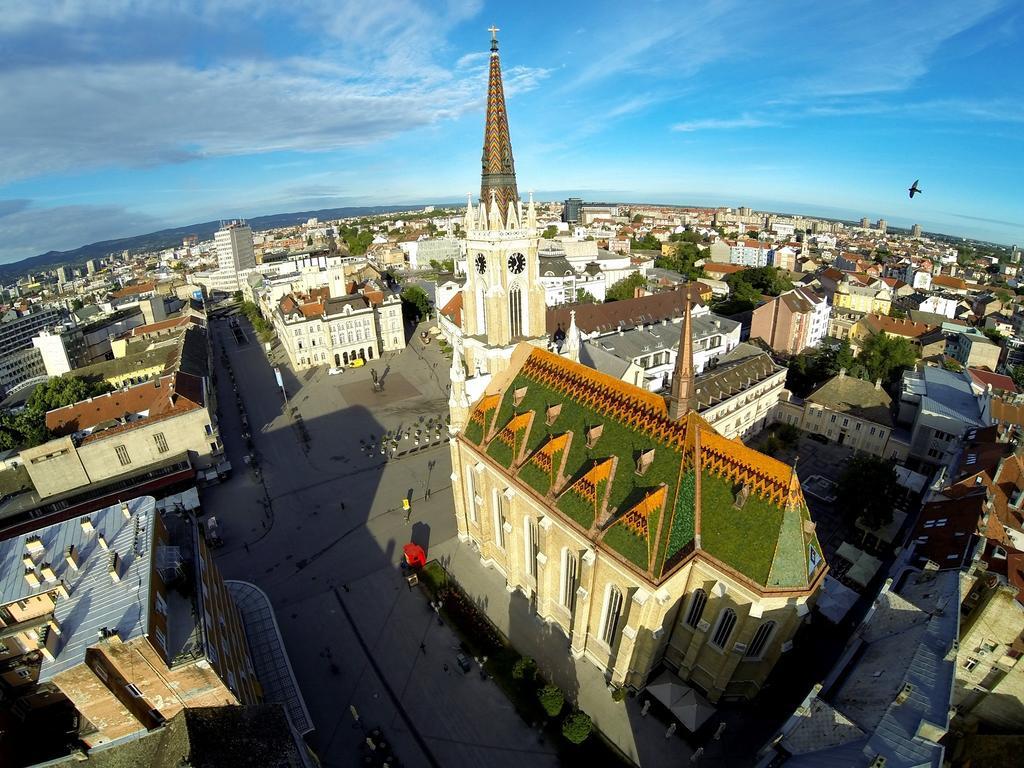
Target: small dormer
(741,496)
(644,460)
(594,434)
(552,413)
(518,395)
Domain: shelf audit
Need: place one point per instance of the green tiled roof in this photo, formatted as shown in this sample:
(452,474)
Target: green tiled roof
(649,515)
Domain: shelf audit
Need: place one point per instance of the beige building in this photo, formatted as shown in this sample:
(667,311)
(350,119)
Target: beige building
(852,412)
(124,613)
(874,324)
(124,432)
(740,396)
(317,329)
(874,297)
(973,349)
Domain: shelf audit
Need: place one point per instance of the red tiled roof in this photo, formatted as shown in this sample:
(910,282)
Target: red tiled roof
(134,290)
(946,281)
(165,325)
(166,396)
(896,326)
(997,380)
(453,309)
(724,269)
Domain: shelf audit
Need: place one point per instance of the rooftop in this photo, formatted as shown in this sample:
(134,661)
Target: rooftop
(167,396)
(637,342)
(629,313)
(857,397)
(95,601)
(892,695)
(207,737)
(638,484)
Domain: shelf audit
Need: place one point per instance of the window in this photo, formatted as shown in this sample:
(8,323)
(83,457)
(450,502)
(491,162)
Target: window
(872,431)
(161,638)
(881,433)
(23,673)
(471,502)
(567,587)
(612,614)
(122,455)
(499,519)
(846,422)
(833,418)
(161,442)
(761,637)
(700,599)
(135,692)
(161,604)
(726,622)
(209,429)
(530,546)
(515,311)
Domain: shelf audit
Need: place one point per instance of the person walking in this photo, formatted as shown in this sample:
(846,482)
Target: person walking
(423,648)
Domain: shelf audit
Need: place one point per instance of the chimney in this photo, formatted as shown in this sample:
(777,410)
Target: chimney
(47,572)
(34,545)
(102,541)
(71,557)
(593,434)
(126,511)
(114,569)
(31,578)
(27,561)
(87,527)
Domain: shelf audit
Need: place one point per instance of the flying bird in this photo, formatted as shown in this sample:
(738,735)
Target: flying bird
(913,189)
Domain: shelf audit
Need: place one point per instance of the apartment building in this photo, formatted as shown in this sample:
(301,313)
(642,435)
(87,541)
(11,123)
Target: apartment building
(125,432)
(792,322)
(318,329)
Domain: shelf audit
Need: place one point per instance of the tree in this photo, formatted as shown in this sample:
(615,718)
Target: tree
(76,304)
(237,296)
(993,334)
(415,303)
(884,357)
(648,243)
(525,668)
(64,390)
(549,232)
(584,296)
(638,219)
(577,727)
(1017,374)
(685,256)
(864,472)
(551,698)
(626,287)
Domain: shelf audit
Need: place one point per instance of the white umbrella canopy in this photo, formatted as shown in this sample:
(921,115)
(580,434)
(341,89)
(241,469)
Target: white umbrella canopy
(689,707)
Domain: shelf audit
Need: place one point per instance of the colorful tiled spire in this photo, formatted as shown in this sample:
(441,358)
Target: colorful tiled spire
(682,377)
(499,172)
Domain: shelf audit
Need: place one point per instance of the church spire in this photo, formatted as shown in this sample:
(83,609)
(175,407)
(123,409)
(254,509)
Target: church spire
(682,377)
(458,402)
(499,173)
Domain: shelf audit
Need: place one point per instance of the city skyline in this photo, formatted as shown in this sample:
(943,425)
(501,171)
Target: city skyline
(137,118)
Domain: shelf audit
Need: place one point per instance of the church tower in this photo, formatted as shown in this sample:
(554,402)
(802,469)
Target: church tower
(503,300)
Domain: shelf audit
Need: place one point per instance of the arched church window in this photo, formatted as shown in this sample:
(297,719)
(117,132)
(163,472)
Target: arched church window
(515,311)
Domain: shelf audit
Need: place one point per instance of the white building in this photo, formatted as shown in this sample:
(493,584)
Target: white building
(234,247)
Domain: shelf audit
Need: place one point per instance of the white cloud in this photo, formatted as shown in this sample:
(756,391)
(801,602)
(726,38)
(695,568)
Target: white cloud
(718,124)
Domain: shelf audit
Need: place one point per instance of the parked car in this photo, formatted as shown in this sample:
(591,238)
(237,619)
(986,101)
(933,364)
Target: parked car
(335,371)
(357,363)
(463,662)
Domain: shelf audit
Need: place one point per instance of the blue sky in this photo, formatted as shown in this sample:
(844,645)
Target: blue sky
(125,116)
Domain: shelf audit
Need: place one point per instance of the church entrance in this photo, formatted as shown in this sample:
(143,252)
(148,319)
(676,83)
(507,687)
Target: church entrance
(337,359)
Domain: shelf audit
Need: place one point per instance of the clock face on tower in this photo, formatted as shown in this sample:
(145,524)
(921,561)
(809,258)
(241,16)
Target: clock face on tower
(516,263)
(481,263)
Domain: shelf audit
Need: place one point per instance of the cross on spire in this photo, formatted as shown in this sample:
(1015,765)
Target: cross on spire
(494,38)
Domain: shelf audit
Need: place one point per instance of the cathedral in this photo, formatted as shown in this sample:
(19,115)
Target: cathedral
(643,536)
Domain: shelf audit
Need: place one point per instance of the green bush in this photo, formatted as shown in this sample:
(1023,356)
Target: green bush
(789,434)
(618,694)
(525,668)
(577,727)
(552,699)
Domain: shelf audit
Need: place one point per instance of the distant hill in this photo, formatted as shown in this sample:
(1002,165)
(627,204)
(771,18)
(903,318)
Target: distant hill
(166,238)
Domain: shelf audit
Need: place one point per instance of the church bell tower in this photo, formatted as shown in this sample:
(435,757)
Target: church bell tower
(503,300)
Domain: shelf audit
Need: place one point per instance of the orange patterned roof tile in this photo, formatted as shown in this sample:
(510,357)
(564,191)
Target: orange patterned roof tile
(636,518)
